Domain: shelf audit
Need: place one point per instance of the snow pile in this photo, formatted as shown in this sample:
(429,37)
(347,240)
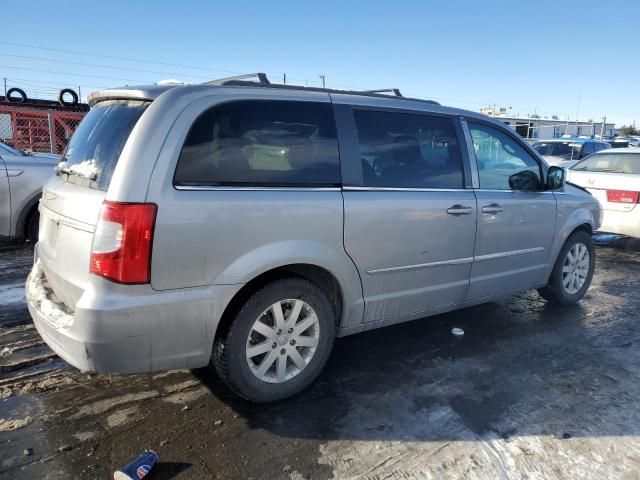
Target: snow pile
(46,301)
(87,169)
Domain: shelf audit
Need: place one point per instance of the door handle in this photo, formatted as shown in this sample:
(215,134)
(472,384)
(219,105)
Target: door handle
(493,208)
(459,210)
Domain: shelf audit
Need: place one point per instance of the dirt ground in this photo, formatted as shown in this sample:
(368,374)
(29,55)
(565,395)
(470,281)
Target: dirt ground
(530,391)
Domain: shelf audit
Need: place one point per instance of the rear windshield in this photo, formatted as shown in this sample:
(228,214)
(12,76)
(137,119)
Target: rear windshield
(567,150)
(101,136)
(611,163)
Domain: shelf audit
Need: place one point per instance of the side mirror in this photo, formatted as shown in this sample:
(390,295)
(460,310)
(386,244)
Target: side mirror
(556,177)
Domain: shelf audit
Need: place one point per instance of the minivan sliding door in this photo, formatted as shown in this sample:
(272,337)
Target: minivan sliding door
(409,221)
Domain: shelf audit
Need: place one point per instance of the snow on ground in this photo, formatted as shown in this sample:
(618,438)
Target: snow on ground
(11,294)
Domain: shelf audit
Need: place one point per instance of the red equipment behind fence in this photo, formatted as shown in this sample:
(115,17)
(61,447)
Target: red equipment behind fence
(39,125)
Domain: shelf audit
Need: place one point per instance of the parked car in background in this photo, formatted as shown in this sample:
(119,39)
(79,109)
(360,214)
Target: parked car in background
(624,142)
(250,224)
(613,177)
(567,151)
(22,175)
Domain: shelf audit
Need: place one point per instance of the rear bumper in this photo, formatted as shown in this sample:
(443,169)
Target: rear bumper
(623,223)
(128,329)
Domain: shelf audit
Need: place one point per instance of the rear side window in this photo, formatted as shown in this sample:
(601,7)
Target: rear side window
(100,137)
(408,150)
(261,142)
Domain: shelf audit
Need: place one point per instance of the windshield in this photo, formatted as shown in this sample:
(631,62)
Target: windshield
(97,143)
(7,150)
(611,163)
(566,150)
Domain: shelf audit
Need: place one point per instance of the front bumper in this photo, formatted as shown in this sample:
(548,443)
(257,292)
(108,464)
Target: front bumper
(127,329)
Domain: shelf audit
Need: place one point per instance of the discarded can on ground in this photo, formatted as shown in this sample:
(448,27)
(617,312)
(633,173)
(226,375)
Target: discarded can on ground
(139,468)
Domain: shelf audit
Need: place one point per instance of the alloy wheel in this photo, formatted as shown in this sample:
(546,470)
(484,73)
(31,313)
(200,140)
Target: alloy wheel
(282,341)
(575,268)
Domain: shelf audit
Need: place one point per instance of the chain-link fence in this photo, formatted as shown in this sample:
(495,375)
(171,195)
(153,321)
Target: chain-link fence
(37,130)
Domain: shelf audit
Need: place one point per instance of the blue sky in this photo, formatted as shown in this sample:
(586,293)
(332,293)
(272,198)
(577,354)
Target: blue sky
(566,58)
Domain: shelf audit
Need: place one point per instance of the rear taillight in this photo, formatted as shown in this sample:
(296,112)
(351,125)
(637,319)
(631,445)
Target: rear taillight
(622,196)
(121,249)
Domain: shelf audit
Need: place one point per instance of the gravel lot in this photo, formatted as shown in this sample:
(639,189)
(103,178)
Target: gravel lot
(530,391)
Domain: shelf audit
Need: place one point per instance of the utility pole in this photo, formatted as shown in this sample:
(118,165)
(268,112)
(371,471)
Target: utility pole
(284,78)
(604,121)
(578,113)
(79,94)
(5,87)
(322,77)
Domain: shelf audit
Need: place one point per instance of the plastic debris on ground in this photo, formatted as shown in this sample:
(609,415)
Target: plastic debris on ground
(139,468)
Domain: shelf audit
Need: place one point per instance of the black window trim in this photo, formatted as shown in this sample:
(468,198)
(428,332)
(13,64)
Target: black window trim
(511,134)
(352,176)
(256,186)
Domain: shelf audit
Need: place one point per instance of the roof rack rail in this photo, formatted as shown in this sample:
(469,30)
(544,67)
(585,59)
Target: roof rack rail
(395,91)
(262,79)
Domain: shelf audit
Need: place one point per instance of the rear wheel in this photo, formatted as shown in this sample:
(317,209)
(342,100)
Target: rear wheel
(31,230)
(278,342)
(573,271)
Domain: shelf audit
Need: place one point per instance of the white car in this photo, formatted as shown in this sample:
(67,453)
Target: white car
(613,177)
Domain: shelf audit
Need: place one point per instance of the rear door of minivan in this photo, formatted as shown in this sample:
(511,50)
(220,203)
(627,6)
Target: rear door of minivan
(410,221)
(72,200)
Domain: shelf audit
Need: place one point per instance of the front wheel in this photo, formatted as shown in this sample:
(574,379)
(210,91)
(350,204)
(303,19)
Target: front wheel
(573,271)
(278,342)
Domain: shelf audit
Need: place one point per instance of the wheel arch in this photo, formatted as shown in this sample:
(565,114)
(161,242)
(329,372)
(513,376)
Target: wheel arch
(579,220)
(320,276)
(27,210)
(585,227)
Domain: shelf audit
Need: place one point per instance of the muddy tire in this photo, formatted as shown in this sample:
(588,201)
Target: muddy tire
(278,342)
(573,271)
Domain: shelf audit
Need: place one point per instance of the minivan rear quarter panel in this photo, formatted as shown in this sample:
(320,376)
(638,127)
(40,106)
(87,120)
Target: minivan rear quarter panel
(231,235)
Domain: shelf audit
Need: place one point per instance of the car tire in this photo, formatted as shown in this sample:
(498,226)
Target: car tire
(572,272)
(74,97)
(255,328)
(31,231)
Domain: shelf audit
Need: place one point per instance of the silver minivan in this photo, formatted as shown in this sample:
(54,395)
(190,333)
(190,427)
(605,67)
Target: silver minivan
(248,224)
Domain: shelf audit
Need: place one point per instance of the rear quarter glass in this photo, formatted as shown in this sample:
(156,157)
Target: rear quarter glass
(100,138)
